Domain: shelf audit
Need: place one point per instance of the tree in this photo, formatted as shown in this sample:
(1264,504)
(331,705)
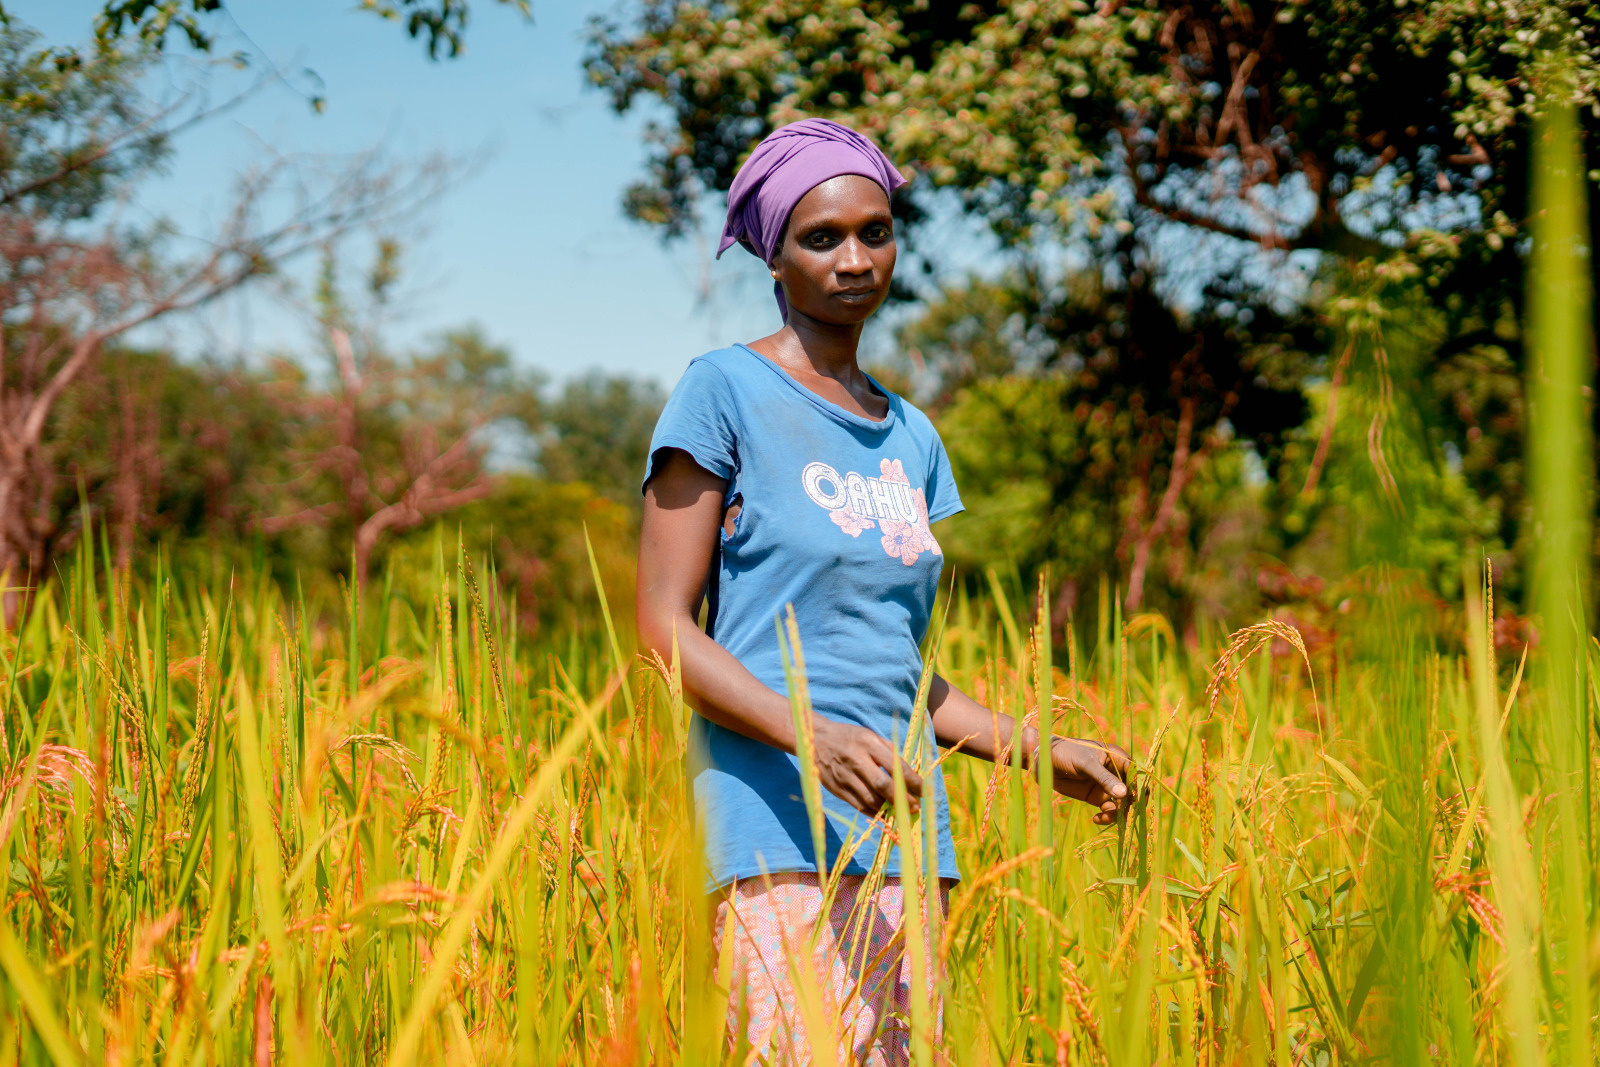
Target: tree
(152,447)
(1187,156)
(394,441)
(1046,113)
(540,534)
(597,431)
(440,24)
(1050,401)
(73,136)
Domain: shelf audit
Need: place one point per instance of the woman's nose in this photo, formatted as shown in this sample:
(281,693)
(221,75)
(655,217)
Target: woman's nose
(853,258)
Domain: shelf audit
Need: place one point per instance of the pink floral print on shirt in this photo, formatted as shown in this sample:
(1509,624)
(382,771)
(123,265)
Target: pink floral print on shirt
(907,540)
(851,523)
(888,502)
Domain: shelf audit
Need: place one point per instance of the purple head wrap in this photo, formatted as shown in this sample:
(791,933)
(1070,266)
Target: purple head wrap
(785,166)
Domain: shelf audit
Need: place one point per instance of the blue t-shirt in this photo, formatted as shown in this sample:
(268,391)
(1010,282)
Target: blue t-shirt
(834,520)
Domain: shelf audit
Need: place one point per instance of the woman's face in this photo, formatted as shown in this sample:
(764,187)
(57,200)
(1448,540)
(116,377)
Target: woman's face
(837,254)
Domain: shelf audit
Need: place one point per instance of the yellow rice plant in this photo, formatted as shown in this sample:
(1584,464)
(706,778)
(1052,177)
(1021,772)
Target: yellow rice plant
(239,827)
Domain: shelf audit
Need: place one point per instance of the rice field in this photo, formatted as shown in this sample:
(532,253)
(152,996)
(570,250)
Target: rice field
(241,827)
(240,824)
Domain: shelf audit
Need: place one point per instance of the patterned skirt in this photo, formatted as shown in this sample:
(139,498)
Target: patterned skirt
(862,973)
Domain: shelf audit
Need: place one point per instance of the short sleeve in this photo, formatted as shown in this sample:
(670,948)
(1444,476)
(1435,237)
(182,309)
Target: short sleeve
(699,418)
(943,499)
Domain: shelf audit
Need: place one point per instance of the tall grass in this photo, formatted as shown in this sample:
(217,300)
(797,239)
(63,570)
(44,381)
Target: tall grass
(1562,471)
(239,827)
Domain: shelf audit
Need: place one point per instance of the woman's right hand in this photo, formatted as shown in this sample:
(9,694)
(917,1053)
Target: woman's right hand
(857,766)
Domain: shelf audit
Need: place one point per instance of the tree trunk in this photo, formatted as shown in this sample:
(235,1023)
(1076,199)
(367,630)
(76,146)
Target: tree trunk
(1177,477)
(16,539)
(10,572)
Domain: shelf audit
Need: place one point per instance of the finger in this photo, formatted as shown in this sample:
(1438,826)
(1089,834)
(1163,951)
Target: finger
(1079,788)
(1099,796)
(1115,755)
(1087,776)
(885,780)
(877,784)
(879,779)
(913,779)
(1106,779)
(863,797)
(888,758)
(881,750)
(1121,762)
(848,782)
(912,787)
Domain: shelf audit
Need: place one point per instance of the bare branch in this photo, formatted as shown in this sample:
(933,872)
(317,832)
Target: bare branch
(153,126)
(64,297)
(1177,478)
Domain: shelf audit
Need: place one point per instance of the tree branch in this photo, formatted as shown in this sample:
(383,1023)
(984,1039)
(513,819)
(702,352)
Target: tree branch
(1176,480)
(1142,196)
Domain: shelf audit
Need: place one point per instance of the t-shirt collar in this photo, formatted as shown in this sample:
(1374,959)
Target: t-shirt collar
(828,407)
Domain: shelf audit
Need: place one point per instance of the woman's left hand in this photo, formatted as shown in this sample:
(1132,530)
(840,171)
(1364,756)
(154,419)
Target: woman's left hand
(1094,772)
(1091,771)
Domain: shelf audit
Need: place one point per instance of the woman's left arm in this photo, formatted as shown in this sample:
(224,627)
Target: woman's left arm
(1090,771)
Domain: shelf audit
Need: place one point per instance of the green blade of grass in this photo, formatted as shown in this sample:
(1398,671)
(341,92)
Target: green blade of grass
(29,987)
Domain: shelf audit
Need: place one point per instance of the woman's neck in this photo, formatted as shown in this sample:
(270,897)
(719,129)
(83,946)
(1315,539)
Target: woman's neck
(823,359)
(823,349)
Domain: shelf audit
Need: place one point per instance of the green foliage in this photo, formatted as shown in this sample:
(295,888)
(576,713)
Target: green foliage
(1561,445)
(1480,402)
(1038,488)
(1044,489)
(1394,492)
(161,449)
(1159,172)
(440,24)
(538,532)
(1111,428)
(973,332)
(154,20)
(73,133)
(207,458)
(1015,103)
(1061,460)
(597,431)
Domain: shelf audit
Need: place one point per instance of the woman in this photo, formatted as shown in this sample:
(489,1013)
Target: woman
(782,474)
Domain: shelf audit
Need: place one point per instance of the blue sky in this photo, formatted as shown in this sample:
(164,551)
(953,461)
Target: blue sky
(532,245)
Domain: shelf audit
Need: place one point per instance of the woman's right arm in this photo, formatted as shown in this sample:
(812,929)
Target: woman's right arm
(682,514)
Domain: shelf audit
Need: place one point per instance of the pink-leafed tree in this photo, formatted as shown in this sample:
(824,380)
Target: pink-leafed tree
(384,441)
(75,136)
